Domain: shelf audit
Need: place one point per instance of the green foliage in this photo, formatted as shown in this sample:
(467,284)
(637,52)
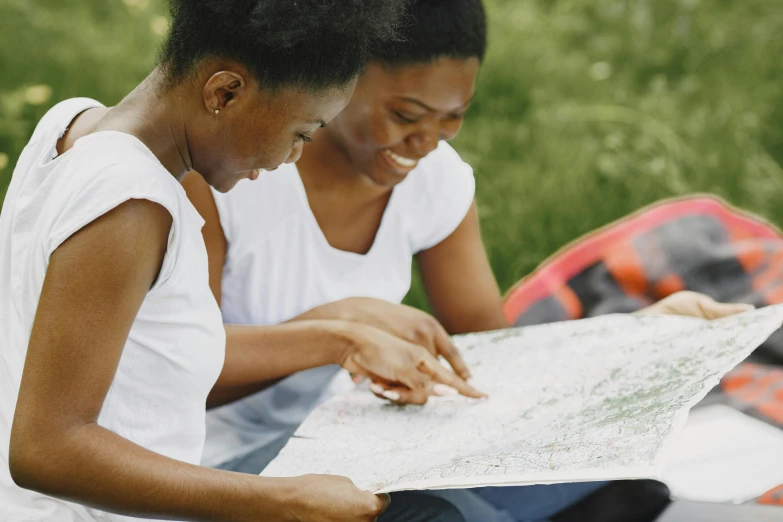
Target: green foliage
(54,50)
(585,110)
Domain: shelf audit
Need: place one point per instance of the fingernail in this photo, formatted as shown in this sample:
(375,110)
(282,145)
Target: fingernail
(443,390)
(380,390)
(391,395)
(739,308)
(472,384)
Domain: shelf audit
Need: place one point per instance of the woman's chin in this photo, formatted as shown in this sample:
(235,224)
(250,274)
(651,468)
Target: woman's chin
(229,182)
(381,173)
(387,179)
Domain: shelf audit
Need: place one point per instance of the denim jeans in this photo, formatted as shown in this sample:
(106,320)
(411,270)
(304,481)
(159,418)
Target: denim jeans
(516,503)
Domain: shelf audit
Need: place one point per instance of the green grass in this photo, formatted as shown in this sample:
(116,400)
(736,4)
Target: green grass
(585,110)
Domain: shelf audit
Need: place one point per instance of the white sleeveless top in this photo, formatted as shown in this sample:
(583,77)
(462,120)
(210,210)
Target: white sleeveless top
(175,349)
(279,265)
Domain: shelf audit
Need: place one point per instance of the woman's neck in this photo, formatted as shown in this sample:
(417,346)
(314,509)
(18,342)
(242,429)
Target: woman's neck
(154,114)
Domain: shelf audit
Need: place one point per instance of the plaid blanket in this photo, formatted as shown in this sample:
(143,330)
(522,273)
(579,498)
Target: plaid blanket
(697,243)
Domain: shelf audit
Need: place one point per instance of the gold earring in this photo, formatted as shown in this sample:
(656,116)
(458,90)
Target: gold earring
(217,111)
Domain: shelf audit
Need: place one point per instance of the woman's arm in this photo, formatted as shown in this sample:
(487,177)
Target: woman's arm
(459,282)
(94,287)
(258,356)
(465,297)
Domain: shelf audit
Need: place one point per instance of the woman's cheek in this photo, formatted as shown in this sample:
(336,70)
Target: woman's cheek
(387,134)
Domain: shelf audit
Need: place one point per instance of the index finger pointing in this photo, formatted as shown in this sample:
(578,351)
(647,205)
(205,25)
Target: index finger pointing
(450,352)
(438,373)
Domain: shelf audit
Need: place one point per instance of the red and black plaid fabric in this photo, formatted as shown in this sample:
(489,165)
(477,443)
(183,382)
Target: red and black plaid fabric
(697,243)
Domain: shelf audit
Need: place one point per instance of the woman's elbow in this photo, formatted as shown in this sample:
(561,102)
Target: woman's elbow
(20,465)
(30,460)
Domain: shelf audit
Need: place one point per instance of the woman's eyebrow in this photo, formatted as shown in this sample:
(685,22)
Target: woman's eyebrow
(427,107)
(417,102)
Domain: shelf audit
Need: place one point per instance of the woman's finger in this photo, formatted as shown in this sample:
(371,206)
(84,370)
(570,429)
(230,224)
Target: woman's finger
(439,374)
(715,310)
(399,395)
(451,353)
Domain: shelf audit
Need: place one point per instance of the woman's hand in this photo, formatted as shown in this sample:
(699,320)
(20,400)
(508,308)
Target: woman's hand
(329,498)
(694,304)
(401,371)
(399,320)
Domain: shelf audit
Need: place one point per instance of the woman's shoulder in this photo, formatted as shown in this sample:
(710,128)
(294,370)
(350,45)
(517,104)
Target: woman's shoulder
(57,119)
(102,171)
(436,196)
(116,161)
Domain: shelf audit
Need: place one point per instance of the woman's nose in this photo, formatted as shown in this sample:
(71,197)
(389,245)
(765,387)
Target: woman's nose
(425,140)
(296,153)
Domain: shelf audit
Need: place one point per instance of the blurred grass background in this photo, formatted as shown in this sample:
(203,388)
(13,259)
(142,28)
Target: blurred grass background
(585,110)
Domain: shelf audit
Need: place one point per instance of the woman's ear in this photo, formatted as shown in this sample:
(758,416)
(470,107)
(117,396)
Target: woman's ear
(222,90)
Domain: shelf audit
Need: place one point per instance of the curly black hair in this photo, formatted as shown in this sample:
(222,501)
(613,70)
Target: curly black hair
(432,29)
(311,44)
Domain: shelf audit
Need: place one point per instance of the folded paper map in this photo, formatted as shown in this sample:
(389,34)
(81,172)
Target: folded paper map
(595,399)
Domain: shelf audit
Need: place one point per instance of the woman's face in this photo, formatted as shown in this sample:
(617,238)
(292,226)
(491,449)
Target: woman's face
(256,129)
(398,115)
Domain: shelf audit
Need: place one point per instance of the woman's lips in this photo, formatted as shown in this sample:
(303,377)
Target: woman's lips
(400,164)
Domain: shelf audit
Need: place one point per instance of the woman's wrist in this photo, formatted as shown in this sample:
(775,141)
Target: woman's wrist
(345,339)
(336,311)
(279,498)
(263,498)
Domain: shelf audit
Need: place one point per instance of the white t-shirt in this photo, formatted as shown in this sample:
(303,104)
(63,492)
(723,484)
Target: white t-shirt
(279,265)
(174,352)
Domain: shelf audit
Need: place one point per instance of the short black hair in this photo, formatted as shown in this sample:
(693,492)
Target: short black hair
(433,29)
(311,44)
